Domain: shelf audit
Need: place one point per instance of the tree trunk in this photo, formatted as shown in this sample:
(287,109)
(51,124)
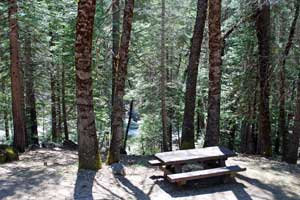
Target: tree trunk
(89,157)
(63,104)
(53,109)
(118,108)
(263,36)
(58,106)
(163,77)
(251,133)
(200,118)
(115,42)
(128,124)
(293,142)
(283,128)
(188,137)
(6,125)
(232,129)
(31,116)
(244,135)
(215,60)
(53,92)
(115,48)
(16,80)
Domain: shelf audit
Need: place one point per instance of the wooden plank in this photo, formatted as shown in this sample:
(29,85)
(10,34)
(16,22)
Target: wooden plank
(203,154)
(154,162)
(204,173)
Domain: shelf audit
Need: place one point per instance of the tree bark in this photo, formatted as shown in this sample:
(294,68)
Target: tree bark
(31,116)
(163,77)
(118,108)
(63,103)
(212,136)
(16,79)
(188,137)
(89,157)
(263,36)
(283,128)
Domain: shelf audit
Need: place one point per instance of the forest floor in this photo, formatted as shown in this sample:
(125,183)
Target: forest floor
(52,174)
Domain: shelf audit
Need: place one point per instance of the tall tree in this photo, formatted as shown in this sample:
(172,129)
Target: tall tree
(215,64)
(163,78)
(282,129)
(263,36)
(115,41)
(63,103)
(187,140)
(53,91)
(121,73)
(31,116)
(58,104)
(53,108)
(115,47)
(89,157)
(16,79)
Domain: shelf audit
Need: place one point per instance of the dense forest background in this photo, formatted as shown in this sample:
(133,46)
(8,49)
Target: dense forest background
(47,56)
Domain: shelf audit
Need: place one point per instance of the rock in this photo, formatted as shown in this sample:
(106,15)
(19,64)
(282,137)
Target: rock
(49,145)
(69,144)
(118,169)
(34,147)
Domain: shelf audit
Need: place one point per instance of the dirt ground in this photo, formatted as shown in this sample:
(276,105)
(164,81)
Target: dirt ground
(52,174)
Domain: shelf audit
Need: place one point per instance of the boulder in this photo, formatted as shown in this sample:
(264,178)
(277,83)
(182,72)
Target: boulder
(34,147)
(69,144)
(49,145)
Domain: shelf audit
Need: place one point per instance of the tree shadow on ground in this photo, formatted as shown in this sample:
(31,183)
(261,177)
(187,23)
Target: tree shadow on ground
(84,184)
(131,188)
(198,188)
(25,179)
(277,192)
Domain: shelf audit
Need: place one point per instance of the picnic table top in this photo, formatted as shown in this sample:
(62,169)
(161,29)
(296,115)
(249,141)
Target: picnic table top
(203,154)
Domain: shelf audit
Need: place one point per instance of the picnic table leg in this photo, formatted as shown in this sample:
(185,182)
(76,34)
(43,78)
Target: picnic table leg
(166,169)
(178,169)
(229,178)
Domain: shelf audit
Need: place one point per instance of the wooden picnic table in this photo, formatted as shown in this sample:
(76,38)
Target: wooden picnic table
(194,155)
(172,162)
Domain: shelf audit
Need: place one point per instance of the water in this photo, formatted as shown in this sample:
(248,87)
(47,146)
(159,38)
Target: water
(134,132)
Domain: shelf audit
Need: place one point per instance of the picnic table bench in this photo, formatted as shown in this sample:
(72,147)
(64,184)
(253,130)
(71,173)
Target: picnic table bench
(212,158)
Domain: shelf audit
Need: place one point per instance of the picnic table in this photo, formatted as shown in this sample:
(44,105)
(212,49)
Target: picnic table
(212,158)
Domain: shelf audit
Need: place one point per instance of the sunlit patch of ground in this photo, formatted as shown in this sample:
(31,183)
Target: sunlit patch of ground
(52,174)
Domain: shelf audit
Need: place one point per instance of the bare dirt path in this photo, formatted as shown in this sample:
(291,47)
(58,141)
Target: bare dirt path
(52,174)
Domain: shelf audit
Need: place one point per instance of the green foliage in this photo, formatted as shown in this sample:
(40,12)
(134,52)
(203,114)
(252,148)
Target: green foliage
(149,140)
(8,154)
(37,19)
